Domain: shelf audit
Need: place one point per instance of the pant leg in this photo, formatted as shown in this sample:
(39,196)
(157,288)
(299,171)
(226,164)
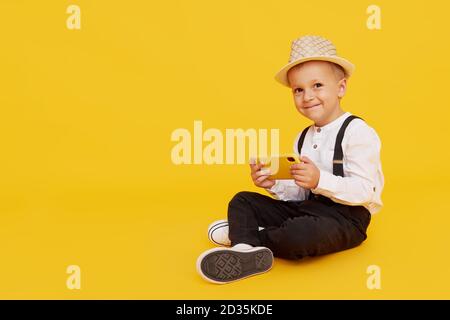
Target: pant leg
(248,210)
(319,229)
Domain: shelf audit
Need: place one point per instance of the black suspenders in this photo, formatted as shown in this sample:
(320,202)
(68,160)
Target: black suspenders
(338,157)
(302,138)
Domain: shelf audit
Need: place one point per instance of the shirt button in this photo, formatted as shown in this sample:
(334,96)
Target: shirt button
(318,129)
(315,146)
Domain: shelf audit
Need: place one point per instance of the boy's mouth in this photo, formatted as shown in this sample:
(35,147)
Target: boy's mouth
(313,106)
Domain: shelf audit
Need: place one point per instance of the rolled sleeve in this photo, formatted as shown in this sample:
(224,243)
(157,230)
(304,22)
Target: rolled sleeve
(361,161)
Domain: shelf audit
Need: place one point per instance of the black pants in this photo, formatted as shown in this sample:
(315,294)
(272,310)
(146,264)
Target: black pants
(296,229)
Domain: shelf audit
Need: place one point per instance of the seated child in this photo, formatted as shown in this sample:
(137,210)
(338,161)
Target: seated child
(327,206)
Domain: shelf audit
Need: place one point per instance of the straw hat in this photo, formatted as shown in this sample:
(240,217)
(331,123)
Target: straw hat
(309,48)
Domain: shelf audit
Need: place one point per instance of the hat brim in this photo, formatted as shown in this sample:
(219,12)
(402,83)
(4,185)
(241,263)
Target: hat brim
(281,76)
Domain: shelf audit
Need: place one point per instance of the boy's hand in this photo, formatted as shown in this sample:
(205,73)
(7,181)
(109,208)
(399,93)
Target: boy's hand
(305,174)
(260,175)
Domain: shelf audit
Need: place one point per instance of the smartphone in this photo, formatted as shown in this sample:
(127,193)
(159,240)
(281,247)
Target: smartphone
(280,166)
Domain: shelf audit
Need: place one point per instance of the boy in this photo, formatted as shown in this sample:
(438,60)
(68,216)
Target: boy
(327,205)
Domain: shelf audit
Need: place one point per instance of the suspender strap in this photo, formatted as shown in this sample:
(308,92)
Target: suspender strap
(300,141)
(338,157)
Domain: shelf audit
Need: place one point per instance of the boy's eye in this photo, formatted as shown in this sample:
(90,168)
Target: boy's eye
(316,85)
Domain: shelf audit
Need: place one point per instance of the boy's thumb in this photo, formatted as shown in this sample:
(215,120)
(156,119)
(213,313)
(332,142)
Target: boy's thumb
(305,159)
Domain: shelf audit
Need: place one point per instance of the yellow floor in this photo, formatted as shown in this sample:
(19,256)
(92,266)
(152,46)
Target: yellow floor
(128,247)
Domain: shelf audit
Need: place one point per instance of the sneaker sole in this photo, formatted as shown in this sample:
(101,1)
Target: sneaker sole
(221,265)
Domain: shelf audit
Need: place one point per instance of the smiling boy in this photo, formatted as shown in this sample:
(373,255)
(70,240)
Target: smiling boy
(327,206)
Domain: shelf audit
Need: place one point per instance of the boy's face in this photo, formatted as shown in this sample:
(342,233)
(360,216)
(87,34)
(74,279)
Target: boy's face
(317,90)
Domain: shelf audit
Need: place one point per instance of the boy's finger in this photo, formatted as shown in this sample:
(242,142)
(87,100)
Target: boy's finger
(298,178)
(300,173)
(262,178)
(306,159)
(263,172)
(260,165)
(255,167)
(303,165)
(299,166)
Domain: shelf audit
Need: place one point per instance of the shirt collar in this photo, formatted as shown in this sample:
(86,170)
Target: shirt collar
(336,122)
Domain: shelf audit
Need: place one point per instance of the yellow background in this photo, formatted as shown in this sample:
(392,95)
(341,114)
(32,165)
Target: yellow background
(86,118)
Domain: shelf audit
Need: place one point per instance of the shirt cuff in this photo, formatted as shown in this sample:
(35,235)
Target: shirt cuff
(275,188)
(328,184)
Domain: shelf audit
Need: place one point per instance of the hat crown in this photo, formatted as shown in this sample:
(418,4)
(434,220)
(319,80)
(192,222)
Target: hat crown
(311,46)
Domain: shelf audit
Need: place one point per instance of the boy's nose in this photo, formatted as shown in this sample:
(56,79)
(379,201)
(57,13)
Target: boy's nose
(308,96)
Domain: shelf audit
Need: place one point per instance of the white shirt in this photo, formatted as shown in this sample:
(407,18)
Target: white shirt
(363,179)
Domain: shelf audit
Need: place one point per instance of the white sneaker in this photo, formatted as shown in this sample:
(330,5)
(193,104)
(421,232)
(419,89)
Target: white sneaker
(225,265)
(218,233)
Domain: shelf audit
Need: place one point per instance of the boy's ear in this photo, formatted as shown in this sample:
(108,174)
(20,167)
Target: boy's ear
(342,87)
